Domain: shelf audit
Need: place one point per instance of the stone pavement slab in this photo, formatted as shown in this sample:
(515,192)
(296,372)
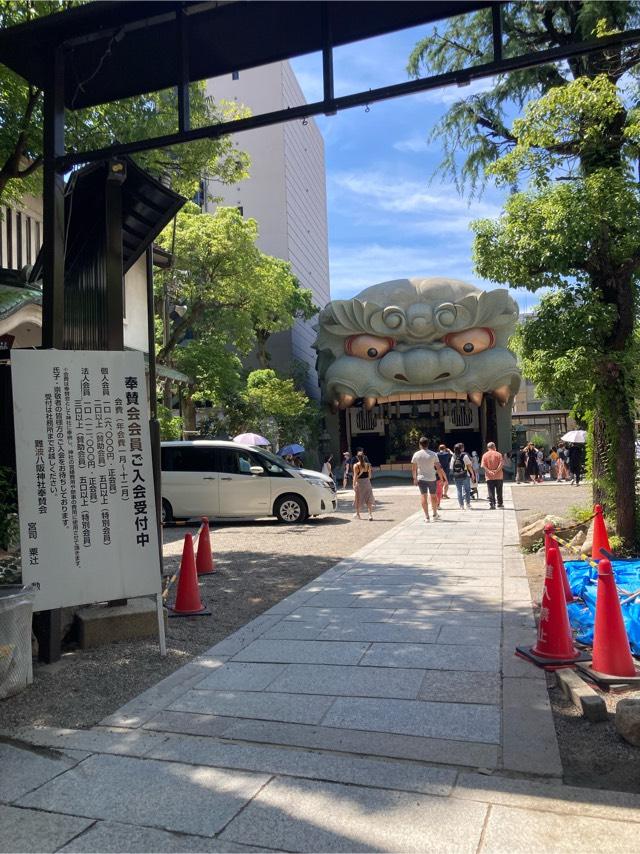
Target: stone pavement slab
(237,675)
(312,816)
(107,836)
(349,681)
(517,830)
(434,656)
(416,632)
(23,768)
(301,652)
(441,750)
(549,796)
(148,792)
(34,831)
(457,721)
(460,686)
(529,736)
(339,768)
(264,705)
(125,742)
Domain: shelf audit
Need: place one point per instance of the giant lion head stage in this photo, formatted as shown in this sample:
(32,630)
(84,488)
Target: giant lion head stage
(399,339)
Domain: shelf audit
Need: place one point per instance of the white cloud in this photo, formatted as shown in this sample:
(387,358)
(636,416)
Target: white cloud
(413,144)
(382,192)
(448,95)
(354,267)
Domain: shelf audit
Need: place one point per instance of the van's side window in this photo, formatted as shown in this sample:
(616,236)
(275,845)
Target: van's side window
(231,461)
(187,458)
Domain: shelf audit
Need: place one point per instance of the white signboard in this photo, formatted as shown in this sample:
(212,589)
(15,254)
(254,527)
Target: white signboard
(85,481)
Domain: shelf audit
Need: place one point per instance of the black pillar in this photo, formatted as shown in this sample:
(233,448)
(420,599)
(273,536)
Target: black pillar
(47,625)
(154,424)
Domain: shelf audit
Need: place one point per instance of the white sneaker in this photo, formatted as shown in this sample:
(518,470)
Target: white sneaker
(436,517)
(427,519)
(469,507)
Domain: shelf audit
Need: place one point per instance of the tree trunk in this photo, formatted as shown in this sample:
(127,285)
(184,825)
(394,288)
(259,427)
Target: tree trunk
(614,402)
(167,394)
(188,413)
(599,459)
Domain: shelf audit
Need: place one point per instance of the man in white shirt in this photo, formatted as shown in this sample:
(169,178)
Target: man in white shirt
(426,470)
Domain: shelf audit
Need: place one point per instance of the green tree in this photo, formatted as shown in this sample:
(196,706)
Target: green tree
(122,121)
(281,305)
(280,410)
(575,227)
(227,288)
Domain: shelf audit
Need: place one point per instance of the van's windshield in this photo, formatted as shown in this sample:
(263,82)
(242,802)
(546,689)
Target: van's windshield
(274,462)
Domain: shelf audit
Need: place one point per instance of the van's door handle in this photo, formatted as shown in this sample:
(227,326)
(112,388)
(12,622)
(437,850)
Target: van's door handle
(209,478)
(225,478)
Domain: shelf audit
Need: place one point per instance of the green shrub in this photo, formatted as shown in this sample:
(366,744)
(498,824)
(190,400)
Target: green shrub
(170,425)
(581,513)
(8,507)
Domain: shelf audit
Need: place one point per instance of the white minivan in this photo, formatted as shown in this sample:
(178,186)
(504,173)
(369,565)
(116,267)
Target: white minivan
(208,477)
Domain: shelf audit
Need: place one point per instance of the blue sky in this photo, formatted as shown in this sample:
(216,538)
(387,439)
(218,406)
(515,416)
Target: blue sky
(388,217)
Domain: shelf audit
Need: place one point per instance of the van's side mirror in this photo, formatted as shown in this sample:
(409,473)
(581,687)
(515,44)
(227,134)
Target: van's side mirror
(256,470)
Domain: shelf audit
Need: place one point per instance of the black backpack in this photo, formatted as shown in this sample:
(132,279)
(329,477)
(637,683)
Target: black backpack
(459,468)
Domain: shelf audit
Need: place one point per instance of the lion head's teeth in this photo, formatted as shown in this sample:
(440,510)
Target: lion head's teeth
(502,394)
(345,400)
(369,402)
(475,397)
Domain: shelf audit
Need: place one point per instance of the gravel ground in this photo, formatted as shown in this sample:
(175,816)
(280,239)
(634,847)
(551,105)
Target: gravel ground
(258,563)
(592,754)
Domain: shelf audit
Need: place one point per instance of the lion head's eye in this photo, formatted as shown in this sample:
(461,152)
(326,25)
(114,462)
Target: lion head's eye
(471,341)
(368,346)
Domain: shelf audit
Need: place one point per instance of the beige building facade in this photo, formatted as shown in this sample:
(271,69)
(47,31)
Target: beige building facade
(285,193)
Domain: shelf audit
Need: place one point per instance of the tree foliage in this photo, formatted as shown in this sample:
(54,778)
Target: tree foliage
(574,226)
(476,130)
(122,121)
(229,292)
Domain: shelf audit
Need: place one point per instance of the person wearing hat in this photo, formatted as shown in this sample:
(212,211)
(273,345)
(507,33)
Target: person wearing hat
(346,468)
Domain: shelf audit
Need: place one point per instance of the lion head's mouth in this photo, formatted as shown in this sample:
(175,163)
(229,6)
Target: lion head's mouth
(344,400)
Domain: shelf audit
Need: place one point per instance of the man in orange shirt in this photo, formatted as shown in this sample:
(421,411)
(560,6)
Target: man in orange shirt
(492,463)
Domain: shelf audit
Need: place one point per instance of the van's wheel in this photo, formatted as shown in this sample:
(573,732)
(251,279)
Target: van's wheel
(291,509)
(167,512)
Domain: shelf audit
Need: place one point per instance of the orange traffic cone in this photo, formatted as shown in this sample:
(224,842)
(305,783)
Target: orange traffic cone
(204,557)
(188,602)
(554,647)
(600,538)
(550,542)
(612,662)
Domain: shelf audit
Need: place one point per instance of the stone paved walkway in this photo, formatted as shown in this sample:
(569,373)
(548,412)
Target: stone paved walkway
(379,708)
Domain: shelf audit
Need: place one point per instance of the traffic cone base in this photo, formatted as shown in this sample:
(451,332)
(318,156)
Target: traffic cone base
(606,680)
(202,613)
(188,602)
(529,654)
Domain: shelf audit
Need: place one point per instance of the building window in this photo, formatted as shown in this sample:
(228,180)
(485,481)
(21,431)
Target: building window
(9,231)
(19,240)
(240,210)
(27,223)
(235,75)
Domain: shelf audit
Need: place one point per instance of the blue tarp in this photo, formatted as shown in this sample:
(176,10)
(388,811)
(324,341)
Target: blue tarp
(583,579)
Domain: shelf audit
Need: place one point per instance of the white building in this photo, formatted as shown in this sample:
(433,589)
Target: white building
(285,193)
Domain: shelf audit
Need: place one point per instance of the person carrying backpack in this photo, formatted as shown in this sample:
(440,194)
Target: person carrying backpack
(462,473)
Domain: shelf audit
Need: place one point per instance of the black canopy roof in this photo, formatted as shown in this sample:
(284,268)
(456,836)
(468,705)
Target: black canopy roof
(114,50)
(147,206)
